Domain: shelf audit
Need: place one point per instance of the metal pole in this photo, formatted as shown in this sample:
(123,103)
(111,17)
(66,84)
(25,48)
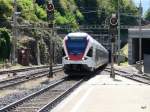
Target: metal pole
(118,32)
(14,39)
(140,38)
(112,74)
(50,50)
(38,52)
(37,40)
(50,61)
(53,52)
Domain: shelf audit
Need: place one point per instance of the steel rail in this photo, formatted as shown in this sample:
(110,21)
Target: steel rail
(51,104)
(21,69)
(138,75)
(25,78)
(14,104)
(18,77)
(135,77)
(25,69)
(22,81)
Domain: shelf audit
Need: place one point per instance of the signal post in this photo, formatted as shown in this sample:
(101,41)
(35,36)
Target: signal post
(50,18)
(113,32)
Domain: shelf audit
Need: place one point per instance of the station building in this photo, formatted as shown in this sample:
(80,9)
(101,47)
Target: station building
(133,46)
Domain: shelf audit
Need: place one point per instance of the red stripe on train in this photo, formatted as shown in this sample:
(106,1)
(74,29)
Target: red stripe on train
(76,57)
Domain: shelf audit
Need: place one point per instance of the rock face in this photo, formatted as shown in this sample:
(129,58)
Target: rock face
(27,50)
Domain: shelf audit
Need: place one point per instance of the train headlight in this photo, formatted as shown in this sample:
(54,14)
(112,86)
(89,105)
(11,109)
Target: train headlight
(84,58)
(67,58)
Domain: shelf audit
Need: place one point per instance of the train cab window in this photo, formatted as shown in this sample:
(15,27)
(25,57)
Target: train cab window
(76,45)
(90,52)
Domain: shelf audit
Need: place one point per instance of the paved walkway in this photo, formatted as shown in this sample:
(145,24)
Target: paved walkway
(103,94)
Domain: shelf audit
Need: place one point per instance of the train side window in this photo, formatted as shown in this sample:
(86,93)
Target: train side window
(90,52)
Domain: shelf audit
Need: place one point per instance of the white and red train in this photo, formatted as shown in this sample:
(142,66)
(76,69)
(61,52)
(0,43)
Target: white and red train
(82,52)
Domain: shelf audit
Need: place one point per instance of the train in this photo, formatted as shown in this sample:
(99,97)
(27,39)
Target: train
(81,52)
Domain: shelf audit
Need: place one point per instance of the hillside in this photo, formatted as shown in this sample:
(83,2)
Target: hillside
(73,12)
(67,12)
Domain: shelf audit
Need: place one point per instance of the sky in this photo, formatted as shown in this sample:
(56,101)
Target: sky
(145,4)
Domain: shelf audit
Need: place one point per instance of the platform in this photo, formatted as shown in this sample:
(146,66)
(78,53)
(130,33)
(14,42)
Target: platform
(103,94)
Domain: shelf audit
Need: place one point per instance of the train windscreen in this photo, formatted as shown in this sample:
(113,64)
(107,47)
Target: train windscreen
(76,45)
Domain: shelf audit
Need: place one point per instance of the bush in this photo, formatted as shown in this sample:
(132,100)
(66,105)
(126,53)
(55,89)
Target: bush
(6,8)
(30,11)
(5,45)
(41,13)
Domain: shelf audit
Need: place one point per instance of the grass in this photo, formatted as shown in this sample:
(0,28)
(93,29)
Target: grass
(124,51)
(124,63)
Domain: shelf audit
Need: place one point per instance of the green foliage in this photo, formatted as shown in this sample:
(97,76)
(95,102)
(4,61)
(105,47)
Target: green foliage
(5,8)
(79,16)
(96,11)
(147,15)
(67,14)
(89,9)
(72,12)
(41,13)
(27,10)
(65,5)
(5,44)
(60,20)
(31,11)
(71,20)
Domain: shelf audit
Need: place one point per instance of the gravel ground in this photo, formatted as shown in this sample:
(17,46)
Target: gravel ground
(10,75)
(44,98)
(22,92)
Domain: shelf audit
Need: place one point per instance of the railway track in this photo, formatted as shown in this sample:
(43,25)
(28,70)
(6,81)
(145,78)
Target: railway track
(14,71)
(136,77)
(44,99)
(21,69)
(26,77)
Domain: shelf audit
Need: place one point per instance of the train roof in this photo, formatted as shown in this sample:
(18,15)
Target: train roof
(83,34)
(77,34)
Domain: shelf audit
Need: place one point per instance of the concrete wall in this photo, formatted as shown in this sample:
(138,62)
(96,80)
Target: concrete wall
(132,35)
(147,64)
(130,54)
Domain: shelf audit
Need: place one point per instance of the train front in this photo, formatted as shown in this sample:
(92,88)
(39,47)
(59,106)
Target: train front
(76,47)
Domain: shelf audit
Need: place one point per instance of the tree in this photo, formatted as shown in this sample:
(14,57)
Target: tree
(5,8)
(147,16)
(5,45)
(96,11)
